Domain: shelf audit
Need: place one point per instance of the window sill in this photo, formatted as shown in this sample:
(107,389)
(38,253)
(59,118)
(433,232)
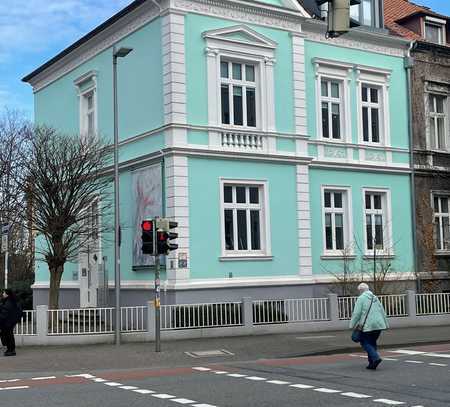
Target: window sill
(337,257)
(369,256)
(248,257)
(442,253)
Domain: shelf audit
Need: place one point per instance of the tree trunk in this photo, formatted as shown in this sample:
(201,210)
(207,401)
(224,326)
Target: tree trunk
(56,272)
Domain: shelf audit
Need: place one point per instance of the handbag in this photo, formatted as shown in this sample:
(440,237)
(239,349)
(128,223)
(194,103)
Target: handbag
(357,331)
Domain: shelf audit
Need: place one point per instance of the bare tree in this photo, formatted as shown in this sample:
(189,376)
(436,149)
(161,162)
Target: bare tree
(15,137)
(65,176)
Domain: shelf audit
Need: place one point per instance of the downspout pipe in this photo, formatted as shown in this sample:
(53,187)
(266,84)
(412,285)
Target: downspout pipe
(409,63)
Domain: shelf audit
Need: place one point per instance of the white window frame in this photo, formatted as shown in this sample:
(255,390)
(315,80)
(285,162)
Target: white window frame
(244,84)
(435,22)
(376,78)
(263,206)
(348,221)
(386,212)
(259,50)
(87,85)
(340,72)
(435,116)
(330,101)
(440,215)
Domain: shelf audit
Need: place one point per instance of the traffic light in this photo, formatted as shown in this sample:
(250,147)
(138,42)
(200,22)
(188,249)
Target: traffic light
(164,236)
(338,16)
(147,228)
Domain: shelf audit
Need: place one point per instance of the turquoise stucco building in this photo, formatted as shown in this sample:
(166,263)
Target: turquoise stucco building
(282,155)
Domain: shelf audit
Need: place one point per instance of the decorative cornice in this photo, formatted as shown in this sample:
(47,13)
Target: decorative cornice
(104,40)
(244,12)
(315,30)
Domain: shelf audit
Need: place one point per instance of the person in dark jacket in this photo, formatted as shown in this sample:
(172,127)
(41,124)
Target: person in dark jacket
(10,314)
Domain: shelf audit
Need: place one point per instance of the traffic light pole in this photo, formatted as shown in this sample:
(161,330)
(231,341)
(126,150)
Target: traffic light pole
(157,307)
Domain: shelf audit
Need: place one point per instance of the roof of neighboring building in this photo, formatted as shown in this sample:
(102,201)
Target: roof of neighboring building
(396,11)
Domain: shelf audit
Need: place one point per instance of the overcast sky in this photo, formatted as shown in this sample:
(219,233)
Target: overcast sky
(33,31)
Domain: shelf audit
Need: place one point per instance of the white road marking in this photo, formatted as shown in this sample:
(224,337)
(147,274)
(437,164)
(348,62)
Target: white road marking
(163,396)
(277,382)
(128,387)
(113,384)
(15,388)
(359,356)
(316,337)
(389,402)
(203,405)
(99,380)
(301,386)
(414,361)
(407,352)
(183,401)
(9,380)
(356,395)
(438,364)
(236,375)
(393,359)
(143,391)
(202,369)
(437,355)
(325,390)
(43,378)
(255,378)
(220,372)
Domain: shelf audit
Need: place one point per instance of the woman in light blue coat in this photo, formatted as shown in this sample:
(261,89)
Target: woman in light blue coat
(368,305)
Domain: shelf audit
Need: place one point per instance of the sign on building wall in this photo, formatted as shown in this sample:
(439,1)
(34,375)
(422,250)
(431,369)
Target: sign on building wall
(147,196)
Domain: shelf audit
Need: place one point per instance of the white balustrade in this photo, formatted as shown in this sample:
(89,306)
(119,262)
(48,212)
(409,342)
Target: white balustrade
(243,141)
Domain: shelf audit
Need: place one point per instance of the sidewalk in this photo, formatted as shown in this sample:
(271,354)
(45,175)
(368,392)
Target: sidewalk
(142,355)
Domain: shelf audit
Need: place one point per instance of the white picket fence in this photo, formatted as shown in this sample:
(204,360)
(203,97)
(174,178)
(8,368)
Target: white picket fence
(394,305)
(240,314)
(291,310)
(188,316)
(27,325)
(433,304)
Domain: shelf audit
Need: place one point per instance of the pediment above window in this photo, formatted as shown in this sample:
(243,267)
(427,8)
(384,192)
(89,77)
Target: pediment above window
(240,34)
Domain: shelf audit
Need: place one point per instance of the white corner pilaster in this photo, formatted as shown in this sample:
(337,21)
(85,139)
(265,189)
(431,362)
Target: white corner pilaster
(304,221)
(298,61)
(177,208)
(174,69)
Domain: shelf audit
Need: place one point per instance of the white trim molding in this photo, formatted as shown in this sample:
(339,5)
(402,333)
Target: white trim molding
(304,221)
(174,67)
(177,209)
(379,79)
(256,49)
(263,206)
(347,212)
(298,69)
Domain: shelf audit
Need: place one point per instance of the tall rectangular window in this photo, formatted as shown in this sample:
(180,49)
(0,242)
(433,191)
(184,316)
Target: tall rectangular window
(335,221)
(238,93)
(375,220)
(441,222)
(243,215)
(435,32)
(438,121)
(87,114)
(371,109)
(331,109)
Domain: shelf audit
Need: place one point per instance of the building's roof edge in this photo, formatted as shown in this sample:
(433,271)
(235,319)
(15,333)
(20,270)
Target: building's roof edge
(116,17)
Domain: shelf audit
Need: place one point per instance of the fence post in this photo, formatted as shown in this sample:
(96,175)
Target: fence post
(247,312)
(333,307)
(151,319)
(42,323)
(411,303)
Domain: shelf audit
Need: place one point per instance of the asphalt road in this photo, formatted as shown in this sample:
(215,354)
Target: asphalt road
(413,377)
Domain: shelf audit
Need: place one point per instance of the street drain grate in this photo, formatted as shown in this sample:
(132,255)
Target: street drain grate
(209,353)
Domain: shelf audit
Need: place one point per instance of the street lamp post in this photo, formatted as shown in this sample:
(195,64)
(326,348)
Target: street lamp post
(117,53)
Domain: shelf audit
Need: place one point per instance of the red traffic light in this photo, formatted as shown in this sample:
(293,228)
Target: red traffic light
(147,225)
